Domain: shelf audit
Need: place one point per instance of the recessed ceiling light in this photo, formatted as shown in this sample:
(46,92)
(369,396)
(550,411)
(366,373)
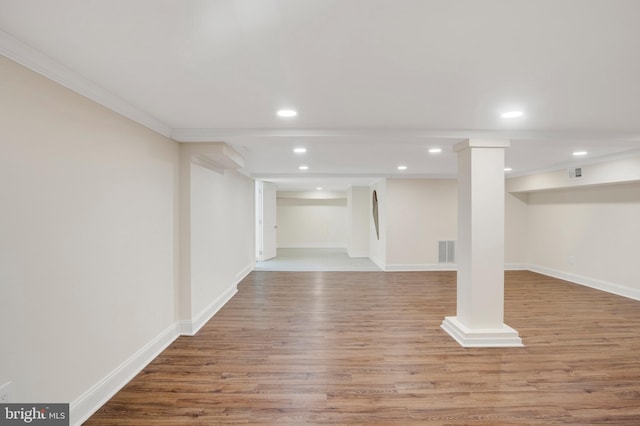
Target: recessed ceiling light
(512,114)
(507,169)
(300,150)
(287,113)
(303,167)
(579,153)
(402,167)
(435,150)
(319,188)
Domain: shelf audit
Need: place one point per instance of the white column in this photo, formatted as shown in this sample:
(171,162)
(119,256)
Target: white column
(480,247)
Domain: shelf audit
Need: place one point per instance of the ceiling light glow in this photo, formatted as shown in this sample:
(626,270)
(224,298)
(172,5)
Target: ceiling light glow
(579,153)
(303,167)
(507,169)
(512,114)
(319,188)
(435,150)
(287,113)
(300,150)
(402,167)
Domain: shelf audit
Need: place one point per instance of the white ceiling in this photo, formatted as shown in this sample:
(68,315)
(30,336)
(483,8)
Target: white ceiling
(375,82)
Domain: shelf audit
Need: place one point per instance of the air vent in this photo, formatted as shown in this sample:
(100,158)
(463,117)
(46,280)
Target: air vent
(446,251)
(575,173)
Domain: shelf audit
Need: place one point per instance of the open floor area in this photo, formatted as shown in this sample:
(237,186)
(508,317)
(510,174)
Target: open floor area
(367,348)
(316,259)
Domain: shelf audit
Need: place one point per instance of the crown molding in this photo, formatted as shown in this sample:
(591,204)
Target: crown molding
(364,134)
(38,62)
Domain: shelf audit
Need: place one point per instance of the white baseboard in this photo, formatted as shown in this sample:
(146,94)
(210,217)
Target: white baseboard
(357,253)
(407,267)
(96,396)
(609,287)
(500,337)
(378,263)
(244,272)
(515,267)
(191,327)
(445,267)
(313,245)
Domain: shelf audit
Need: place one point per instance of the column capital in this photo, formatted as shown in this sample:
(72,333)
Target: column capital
(481,143)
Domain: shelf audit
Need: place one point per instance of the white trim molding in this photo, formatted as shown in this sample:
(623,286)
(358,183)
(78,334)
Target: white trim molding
(95,397)
(503,337)
(313,245)
(38,62)
(606,286)
(326,268)
(408,267)
(515,267)
(244,272)
(191,327)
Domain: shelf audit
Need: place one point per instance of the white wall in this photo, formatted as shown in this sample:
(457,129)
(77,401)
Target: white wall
(304,222)
(358,213)
(516,225)
(625,169)
(588,235)
(419,213)
(88,239)
(92,246)
(222,237)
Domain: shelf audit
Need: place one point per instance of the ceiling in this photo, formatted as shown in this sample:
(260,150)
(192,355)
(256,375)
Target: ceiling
(376,83)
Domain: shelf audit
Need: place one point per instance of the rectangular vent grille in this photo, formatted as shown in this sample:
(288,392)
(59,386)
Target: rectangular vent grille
(446,251)
(575,173)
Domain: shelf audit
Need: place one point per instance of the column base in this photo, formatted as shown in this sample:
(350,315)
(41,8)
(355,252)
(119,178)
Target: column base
(502,337)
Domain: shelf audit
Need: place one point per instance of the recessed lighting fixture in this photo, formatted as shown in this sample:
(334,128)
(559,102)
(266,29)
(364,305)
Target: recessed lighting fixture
(507,169)
(287,113)
(300,150)
(435,150)
(402,167)
(303,167)
(319,188)
(579,153)
(512,114)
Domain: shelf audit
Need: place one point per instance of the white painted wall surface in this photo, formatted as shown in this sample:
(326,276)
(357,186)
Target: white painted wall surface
(589,233)
(515,231)
(88,233)
(222,233)
(304,222)
(419,213)
(358,221)
(624,169)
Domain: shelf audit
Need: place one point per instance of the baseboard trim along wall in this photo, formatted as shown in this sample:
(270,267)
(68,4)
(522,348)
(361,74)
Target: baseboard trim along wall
(606,286)
(96,396)
(191,327)
(312,245)
(407,267)
(244,272)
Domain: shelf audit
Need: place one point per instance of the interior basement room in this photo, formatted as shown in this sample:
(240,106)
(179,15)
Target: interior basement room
(399,212)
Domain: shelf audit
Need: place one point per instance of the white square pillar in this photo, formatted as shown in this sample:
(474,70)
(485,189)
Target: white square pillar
(480,247)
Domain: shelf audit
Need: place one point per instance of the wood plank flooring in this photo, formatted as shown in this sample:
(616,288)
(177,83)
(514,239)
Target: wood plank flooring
(367,348)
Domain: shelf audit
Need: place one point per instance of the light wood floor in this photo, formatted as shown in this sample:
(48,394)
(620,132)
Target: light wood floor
(367,348)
